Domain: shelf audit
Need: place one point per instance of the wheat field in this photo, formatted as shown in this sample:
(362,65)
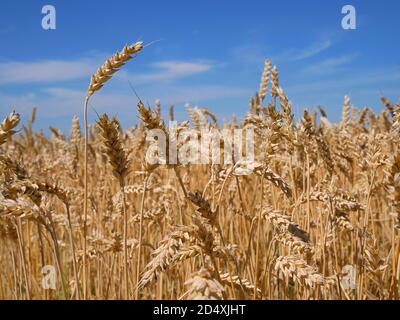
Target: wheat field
(321,199)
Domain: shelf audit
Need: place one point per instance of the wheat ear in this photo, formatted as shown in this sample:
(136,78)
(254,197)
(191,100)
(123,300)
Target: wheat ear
(275,82)
(346,112)
(205,286)
(264,79)
(7,126)
(112,65)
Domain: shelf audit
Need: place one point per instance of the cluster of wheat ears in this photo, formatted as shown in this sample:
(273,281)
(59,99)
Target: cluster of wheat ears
(322,199)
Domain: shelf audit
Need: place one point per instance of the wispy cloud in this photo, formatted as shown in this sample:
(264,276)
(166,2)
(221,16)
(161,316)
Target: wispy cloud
(369,80)
(256,53)
(59,101)
(7,29)
(311,51)
(168,70)
(304,53)
(201,93)
(44,71)
(329,65)
(251,54)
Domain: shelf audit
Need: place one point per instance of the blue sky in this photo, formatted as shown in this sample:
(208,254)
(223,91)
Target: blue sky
(210,54)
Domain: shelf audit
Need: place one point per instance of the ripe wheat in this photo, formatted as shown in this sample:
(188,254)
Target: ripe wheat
(319,198)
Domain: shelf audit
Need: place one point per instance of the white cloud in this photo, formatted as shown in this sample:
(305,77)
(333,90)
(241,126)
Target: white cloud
(50,103)
(45,71)
(65,70)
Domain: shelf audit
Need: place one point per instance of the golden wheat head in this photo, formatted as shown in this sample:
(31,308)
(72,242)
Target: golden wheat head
(112,65)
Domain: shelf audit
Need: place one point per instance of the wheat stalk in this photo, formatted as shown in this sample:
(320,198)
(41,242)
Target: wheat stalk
(97,81)
(110,133)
